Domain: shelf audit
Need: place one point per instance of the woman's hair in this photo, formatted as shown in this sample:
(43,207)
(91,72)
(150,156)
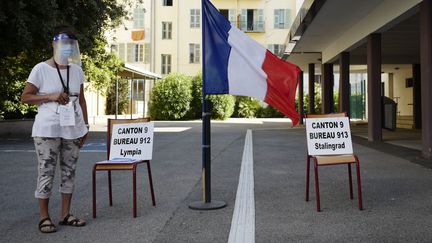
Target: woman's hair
(64,29)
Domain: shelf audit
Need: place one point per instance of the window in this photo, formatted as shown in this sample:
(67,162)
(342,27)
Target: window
(194,53)
(129,52)
(195,18)
(138,53)
(167,2)
(166,64)
(147,53)
(138,18)
(282,18)
(166,30)
(229,14)
(252,20)
(276,48)
(121,52)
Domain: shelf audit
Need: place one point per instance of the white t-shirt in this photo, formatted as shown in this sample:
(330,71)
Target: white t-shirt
(47,121)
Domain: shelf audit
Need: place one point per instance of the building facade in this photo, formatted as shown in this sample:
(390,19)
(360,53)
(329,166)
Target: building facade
(131,41)
(176,28)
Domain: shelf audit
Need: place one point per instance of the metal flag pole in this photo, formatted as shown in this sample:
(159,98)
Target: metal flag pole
(206,203)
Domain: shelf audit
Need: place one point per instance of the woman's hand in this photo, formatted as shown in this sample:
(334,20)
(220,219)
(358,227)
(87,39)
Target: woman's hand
(82,140)
(62,98)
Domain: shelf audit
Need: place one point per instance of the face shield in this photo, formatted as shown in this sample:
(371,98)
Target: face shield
(66,49)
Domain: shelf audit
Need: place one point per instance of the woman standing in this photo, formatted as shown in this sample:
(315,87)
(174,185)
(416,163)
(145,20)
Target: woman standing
(61,124)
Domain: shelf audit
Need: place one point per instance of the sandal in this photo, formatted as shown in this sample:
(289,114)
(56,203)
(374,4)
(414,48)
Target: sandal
(72,221)
(47,228)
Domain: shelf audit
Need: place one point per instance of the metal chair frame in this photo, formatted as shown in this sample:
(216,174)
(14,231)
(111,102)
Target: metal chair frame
(110,166)
(326,160)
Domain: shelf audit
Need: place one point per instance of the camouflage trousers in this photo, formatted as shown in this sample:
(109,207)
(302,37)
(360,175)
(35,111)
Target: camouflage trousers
(49,151)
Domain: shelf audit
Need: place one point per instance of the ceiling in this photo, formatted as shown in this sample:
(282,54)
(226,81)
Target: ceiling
(400,37)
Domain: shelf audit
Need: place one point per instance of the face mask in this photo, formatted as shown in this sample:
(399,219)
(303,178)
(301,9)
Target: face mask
(65,50)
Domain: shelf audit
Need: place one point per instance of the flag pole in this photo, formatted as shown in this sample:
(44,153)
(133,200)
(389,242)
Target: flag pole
(207,203)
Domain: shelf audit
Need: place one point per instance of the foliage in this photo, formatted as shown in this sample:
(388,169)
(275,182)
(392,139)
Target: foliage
(269,112)
(318,103)
(196,102)
(29,25)
(171,97)
(13,74)
(24,42)
(335,102)
(101,71)
(246,107)
(223,106)
(123,97)
(317,96)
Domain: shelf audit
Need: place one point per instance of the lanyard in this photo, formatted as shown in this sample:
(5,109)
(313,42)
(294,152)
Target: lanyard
(65,87)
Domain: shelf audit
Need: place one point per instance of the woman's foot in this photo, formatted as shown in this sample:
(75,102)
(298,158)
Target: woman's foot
(72,221)
(46,226)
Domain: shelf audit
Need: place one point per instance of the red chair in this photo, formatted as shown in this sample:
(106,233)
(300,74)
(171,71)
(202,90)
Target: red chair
(110,166)
(325,160)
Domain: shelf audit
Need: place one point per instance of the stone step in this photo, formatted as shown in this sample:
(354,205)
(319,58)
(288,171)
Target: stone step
(407,126)
(405,122)
(405,118)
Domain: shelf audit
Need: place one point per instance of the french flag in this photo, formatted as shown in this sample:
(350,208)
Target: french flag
(236,64)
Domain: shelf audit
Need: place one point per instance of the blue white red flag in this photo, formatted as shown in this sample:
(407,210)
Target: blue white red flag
(236,64)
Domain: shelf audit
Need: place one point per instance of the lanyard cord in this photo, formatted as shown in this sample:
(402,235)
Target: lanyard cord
(65,87)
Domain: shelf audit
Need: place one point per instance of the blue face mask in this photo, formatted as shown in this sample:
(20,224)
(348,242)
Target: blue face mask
(65,50)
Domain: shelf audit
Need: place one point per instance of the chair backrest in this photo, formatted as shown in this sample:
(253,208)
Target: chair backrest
(341,114)
(111,123)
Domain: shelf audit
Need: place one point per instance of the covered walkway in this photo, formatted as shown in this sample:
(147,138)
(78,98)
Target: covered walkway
(390,42)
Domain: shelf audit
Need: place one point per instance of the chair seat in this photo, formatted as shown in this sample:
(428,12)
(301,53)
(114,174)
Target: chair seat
(106,165)
(335,159)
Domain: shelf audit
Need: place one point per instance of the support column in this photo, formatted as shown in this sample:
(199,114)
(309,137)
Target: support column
(416,95)
(344,83)
(300,102)
(327,88)
(426,76)
(311,107)
(374,87)
(390,86)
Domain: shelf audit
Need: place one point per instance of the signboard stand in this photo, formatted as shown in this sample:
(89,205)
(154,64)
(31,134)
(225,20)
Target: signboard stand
(329,143)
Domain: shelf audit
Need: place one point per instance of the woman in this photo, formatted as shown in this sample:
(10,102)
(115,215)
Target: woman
(61,124)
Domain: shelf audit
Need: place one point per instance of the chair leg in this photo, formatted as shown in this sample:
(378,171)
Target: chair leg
(307,177)
(350,181)
(360,199)
(134,193)
(151,183)
(317,187)
(110,188)
(94,190)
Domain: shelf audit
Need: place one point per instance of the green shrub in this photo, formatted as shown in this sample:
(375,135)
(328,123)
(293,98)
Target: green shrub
(223,106)
(246,107)
(196,102)
(123,97)
(171,97)
(269,112)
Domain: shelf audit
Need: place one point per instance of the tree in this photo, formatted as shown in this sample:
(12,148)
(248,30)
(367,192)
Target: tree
(29,25)
(27,30)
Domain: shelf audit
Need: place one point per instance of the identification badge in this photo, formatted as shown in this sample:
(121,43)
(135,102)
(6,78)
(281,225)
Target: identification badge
(67,115)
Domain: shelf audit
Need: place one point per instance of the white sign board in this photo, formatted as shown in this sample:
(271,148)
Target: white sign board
(328,136)
(131,141)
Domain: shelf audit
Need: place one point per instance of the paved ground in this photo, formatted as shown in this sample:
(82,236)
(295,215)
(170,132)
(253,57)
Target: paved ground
(397,193)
